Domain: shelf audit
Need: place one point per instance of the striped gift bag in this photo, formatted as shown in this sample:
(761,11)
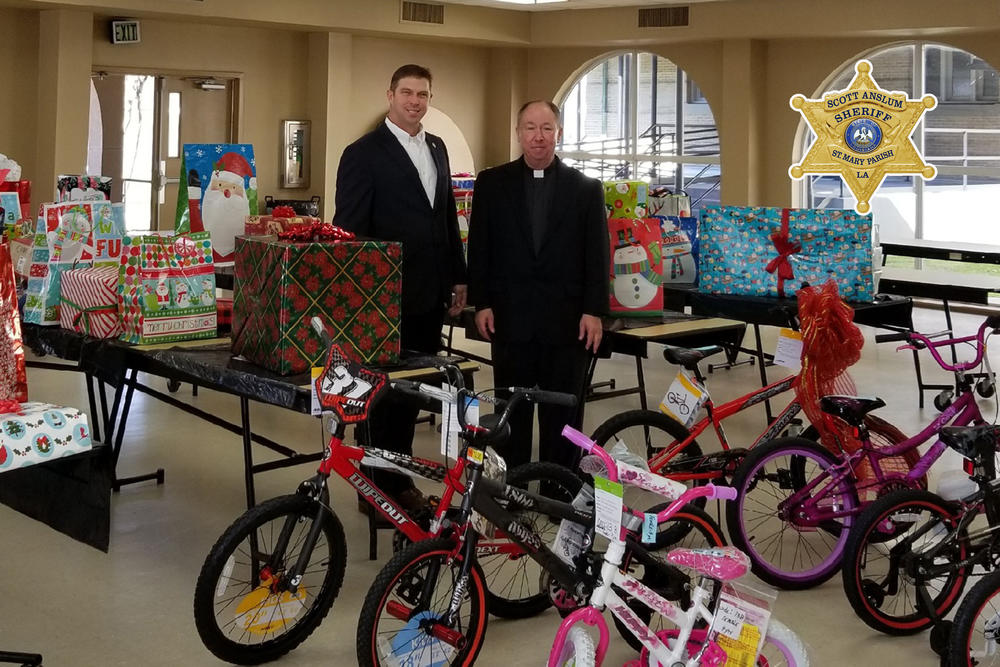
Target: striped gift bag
(89,299)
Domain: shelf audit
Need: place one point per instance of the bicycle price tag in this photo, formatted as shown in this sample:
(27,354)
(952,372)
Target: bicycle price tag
(683,400)
(741,622)
(314,373)
(649,529)
(788,353)
(607,508)
(729,619)
(450,427)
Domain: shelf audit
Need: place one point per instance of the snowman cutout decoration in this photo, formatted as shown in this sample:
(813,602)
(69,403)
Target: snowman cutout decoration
(71,239)
(181,297)
(636,283)
(207,292)
(677,252)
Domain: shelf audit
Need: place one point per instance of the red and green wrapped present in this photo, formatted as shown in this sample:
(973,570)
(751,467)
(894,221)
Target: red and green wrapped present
(89,302)
(267,225)
(626,199)
(167,288)
(353,286)
(636,267)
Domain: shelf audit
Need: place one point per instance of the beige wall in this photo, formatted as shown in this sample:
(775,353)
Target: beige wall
(19,88)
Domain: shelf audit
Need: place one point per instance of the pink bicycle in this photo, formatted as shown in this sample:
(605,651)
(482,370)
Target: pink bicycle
(687,644)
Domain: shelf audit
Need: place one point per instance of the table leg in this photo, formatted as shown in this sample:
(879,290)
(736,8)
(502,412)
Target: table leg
(128,386)
(641,380)
(24,659)
(96,422)
(247,450)
(761,362)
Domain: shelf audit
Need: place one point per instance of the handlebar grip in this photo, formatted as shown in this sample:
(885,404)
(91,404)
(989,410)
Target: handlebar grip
(724,492)
(577,438)
(320,329)
(892,337)
(553,397)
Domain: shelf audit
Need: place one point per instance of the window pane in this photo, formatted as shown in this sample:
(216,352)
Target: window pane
(894,208)
(137,197)
(173,124)
(595,109)
(137,128)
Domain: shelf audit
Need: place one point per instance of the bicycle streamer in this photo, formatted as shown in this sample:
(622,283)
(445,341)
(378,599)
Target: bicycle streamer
(831,343)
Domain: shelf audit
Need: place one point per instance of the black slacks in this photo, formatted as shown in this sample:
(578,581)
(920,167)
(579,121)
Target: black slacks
(553,367)
(391,423)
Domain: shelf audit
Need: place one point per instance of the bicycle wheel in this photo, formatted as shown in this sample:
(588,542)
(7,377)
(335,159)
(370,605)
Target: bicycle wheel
(578,649)
(882,560)
(398,623)
(976,628)
(239,610)
(691,528)
(783,552)
(514,583)
(782,647)
(647,433)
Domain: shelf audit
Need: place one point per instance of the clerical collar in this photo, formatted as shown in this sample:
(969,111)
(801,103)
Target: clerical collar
(540,173)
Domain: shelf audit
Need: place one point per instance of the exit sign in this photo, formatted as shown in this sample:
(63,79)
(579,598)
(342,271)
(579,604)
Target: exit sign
(125,32)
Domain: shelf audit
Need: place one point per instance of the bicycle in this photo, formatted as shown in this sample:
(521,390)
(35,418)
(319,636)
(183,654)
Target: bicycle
(908,558)
(685,645)
(426,605)
(798,500)
(272,576)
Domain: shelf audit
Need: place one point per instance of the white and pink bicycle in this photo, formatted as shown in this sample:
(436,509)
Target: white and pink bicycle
(708,630)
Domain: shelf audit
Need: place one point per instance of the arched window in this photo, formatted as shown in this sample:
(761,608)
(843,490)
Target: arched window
(638,116)
(960,137)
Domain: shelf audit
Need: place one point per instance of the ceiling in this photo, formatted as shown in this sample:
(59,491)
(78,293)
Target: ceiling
(550,5)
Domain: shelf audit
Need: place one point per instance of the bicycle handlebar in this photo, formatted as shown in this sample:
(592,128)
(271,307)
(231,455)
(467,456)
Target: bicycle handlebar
(921,341)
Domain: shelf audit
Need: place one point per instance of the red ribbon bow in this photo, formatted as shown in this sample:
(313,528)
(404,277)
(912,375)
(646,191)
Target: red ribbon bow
(9,407)
(283,212)
(780,265)
(315,231)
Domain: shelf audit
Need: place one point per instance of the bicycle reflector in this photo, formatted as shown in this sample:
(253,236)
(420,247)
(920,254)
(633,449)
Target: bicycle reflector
(348,388)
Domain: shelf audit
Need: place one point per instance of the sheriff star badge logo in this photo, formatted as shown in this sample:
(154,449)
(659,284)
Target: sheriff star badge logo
(863,134)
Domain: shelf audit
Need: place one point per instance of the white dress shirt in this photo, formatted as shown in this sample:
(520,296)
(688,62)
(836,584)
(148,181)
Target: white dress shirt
(420,154)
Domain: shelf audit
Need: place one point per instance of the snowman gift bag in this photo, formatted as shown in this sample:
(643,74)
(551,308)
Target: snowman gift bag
(680,249)
(63,240)
(636,267)
(218,190)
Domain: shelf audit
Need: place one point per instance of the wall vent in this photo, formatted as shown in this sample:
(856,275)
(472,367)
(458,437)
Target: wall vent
(663,17)
(421,12)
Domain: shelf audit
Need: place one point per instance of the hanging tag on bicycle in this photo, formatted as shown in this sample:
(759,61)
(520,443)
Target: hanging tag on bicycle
(684,398)
(607,508)
(788,352)
(314,373)
(649,529)
(450,427)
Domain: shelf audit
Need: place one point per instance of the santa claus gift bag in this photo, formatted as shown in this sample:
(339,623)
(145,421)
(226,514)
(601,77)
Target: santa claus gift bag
(218,191)
(636,267)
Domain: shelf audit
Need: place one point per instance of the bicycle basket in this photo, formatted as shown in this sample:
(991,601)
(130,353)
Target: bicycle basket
(348,388)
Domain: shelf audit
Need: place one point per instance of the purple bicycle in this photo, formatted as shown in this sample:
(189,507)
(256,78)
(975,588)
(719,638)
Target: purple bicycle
(797,500)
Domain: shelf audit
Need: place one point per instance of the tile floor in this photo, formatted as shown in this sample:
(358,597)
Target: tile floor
(132,606)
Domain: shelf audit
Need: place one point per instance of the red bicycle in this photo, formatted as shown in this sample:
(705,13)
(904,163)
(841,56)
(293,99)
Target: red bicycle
(271,578)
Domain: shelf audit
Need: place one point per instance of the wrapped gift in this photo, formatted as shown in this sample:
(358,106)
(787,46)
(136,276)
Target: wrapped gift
(626,199)
(773,251)
(39,432)
(353,286)
(680,249)
(83,188)
(10,213)
(109,230)
(21,252)
(224,311)
(89,302)
(636,267)
(462,186)
(269,225)
(23,190)
(663,202)
(13,378)
(167,288)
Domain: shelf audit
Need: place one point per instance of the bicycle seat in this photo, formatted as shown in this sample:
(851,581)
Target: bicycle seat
(976,443)
(688,357)
(852,409)
(722,563)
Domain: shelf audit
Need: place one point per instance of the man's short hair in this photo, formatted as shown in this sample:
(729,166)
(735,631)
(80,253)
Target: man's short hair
(551,105)
(413,71)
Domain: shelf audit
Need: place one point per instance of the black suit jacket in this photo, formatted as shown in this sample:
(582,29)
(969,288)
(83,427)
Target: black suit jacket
(379,195)
(538,295)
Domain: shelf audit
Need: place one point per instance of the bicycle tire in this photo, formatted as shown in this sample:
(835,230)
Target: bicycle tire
(234,617)
(757,528)
(578,649)
(656,432)
(874,532)
(782,647)
(404,578)
(966,631)
(677,531)
(514,585)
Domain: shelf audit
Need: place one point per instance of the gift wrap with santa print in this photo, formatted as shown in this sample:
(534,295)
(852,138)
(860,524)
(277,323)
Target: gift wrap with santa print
(636,267)
(167,288)
(353,286)
(770,251)
(626,199)
(41,432)
(218,190)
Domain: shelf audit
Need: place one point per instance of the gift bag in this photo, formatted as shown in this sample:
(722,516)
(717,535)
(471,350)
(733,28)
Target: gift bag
(663,202)
(218,190)
(771,251)
(13,380)
(626,199)
(89,301)
(636,267)
(167,288)
(10,214)
(109,230)
(83,188)
(680,249)
(462,186)
(23,191)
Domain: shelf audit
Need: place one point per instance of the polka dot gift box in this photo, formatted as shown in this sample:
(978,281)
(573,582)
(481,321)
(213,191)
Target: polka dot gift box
(167,288)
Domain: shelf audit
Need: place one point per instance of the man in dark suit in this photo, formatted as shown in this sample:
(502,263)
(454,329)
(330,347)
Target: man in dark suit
(538,276)
(394,184)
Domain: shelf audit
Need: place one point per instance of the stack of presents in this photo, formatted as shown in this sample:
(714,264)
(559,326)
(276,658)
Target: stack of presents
(738,250)
(77,266)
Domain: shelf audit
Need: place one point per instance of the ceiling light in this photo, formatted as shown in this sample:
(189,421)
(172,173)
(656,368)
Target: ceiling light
(530,2)
(210,85)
